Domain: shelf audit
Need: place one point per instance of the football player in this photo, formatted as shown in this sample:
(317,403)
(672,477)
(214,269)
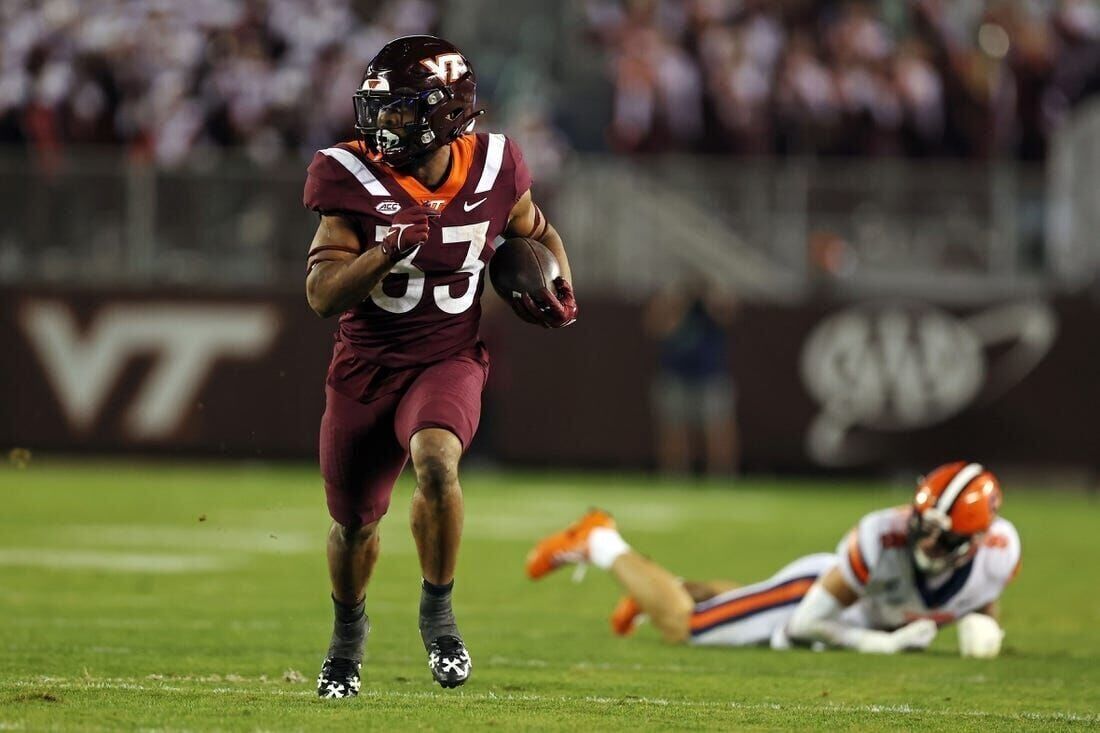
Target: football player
(409,213)
(893,580)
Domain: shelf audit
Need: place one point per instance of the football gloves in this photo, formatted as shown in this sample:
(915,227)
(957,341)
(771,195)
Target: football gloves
(408,231)
(548,309)
(914,636)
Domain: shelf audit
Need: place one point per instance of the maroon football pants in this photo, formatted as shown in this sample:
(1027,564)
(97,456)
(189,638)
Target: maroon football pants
(365,442)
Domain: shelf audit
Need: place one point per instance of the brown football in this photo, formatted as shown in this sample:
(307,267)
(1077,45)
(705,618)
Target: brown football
(522,265)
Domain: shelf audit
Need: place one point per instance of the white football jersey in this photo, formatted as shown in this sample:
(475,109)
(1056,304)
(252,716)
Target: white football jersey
(876,562)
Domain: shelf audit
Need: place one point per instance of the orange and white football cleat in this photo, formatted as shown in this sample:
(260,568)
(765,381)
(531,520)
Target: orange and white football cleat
(626,616)
(568,546)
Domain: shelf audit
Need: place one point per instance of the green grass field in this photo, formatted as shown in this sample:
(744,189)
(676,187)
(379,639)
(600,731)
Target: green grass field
(165,597)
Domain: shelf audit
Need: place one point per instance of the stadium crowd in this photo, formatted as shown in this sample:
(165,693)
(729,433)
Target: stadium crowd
(166,77)
(921,77)
(916,77)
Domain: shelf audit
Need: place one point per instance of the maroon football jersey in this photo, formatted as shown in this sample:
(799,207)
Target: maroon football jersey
(428,307)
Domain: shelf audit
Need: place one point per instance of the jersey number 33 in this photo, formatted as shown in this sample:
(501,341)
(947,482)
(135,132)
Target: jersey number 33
(472,236)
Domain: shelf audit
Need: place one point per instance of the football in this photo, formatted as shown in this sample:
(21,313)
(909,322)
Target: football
(522,265)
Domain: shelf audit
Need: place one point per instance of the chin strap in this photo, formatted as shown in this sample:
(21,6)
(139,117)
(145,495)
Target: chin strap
(468,123)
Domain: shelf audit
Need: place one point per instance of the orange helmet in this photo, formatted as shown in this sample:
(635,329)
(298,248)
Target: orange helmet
(953,504)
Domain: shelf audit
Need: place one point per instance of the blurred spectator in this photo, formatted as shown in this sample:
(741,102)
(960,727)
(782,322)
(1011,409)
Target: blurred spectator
(658,94)
(693,394)
(849,77)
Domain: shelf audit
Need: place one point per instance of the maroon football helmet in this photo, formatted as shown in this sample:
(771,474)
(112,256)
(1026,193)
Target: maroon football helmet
(417,95)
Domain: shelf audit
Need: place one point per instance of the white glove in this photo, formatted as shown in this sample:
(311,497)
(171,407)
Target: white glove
(980,636)
(916,635)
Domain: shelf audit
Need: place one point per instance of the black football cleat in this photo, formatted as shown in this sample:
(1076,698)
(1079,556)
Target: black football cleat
(449,661)
(338,678)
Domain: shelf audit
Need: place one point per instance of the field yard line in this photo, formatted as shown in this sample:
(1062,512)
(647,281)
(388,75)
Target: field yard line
(145,623)
(117,562)
(124,684)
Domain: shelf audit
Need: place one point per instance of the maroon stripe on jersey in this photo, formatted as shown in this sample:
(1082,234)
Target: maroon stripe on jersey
(314,261)
(316,258)
(540,226)
(333,247)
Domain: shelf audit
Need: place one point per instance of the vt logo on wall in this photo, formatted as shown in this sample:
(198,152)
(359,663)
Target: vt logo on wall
(897,367)
(185,341)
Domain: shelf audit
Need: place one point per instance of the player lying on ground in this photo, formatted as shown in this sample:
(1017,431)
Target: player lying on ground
(894,579)
(409,213)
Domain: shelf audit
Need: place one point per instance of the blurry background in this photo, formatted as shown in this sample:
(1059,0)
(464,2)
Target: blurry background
(807,236)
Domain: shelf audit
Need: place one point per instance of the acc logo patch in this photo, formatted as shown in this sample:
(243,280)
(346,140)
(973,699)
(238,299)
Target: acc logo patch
(388,207)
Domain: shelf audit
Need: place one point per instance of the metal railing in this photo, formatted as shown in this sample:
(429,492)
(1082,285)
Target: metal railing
(769,229)
(779,229)
(102,217)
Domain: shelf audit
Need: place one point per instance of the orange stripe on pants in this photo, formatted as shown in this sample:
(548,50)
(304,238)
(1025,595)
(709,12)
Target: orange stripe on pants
(742,606)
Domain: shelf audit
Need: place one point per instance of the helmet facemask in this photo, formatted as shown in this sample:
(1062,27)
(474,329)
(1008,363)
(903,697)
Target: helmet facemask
(396,127)
(935,548)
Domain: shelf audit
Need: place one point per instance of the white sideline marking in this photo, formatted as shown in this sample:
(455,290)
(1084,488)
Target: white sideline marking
(144,623)
(128,684)
(120,562)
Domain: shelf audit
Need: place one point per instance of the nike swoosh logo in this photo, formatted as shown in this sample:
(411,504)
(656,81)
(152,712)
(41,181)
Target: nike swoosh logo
(467,206)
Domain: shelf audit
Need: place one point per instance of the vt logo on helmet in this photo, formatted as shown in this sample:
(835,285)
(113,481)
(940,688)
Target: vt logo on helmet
(417,95)
(447,66)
